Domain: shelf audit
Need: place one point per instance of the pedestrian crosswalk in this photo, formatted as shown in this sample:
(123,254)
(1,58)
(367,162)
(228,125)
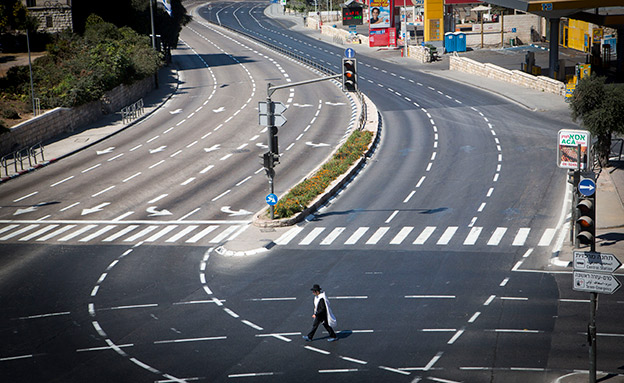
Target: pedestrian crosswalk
(117,232)
(409,235)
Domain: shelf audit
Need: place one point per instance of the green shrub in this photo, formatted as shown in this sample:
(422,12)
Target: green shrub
(298,198)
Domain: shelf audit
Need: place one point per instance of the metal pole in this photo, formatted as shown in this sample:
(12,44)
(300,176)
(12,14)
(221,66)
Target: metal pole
(32,88)
(592,338)
(271,124)
(481,29)
(502,17)
(152,20)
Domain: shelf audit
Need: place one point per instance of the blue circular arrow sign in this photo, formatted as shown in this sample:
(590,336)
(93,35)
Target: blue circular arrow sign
(271,199)
(587,187)
(349,53)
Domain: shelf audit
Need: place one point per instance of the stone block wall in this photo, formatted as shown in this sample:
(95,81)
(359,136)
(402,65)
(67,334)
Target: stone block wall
(541,83)
(66,120)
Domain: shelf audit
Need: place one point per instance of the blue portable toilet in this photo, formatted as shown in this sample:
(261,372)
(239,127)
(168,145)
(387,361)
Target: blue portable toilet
(460,41)
(449,42)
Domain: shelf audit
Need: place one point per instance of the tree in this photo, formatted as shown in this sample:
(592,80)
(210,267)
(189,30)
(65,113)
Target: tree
(600,107)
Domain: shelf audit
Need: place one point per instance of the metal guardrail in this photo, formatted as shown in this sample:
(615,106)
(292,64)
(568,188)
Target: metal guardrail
(132,112)
(16,161)
(306,61)
(615,153)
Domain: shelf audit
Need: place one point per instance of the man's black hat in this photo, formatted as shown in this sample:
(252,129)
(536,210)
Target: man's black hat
(316,288)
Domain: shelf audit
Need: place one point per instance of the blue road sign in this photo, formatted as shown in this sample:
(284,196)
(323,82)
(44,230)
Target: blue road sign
(271,199)
(349,53)
(587,187)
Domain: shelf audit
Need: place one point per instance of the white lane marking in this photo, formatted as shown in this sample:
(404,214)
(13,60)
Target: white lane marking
(489,300)
(189,214)
(433,361)
(447,235)
(331,237)
(426,233)
(77,233)
(221,195)
(394,370)
(97,233)
(55,233)
(430,296)
(400,237)
(188,181)
(103,191)
(157,198)
(474,317)
(455,337)
(377,236)
(312,236)
(61,181)
(141,233)
(38,232)
(285,238)
(409,196)
(206,169)
(201,234)
(161,233)
(120,233)
(547,237)
(156,164)
(472,237)
(182,233)
(497,236)
(358,361)
(250,375)
(190,340)
(392,216)
(521,237)
(226,233)
(91,168)
(131,177)
(420,182)
(356,236)
(317,350)
(252,325)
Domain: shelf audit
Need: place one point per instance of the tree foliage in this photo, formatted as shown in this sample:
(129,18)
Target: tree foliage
(14,16)
(80,69)
(600,107)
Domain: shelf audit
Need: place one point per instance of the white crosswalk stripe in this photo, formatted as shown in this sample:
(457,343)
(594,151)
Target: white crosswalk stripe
(448,236)
(205,233)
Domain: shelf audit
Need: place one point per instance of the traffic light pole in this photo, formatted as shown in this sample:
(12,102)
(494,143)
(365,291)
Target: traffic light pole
(272,156)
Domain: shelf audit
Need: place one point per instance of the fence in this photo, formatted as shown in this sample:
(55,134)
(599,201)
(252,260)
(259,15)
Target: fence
(14,163)
(132,112)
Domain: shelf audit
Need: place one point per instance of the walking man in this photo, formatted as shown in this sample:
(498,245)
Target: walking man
(322,314)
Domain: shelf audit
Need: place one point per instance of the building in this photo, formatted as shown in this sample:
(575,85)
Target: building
(54,15)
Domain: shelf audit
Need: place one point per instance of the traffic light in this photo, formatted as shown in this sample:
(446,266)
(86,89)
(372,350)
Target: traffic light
(349,75)
(586,221)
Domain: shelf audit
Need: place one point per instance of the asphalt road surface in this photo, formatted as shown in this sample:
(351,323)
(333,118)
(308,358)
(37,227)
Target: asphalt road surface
(436,257)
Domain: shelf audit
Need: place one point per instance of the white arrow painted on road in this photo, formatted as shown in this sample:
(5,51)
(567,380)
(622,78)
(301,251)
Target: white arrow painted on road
(221,109)
(153,212)
(261,145)
(302,105)
(29,209)
(95,208)
(320,144)
(105,151)
(212,148)
(177,111)
(160,149)
(227,210)
(335,103)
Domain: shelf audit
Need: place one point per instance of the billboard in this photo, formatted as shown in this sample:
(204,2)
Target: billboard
(379,13)
(567,153)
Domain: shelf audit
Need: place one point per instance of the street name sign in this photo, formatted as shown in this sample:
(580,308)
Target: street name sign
(587,187)
(595,282)
(592,261)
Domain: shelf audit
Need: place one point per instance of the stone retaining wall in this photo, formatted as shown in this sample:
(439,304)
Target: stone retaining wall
(63,120)
(516,77)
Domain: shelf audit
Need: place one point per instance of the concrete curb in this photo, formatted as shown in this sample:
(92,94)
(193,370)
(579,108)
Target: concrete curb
(375,123)
(97,141)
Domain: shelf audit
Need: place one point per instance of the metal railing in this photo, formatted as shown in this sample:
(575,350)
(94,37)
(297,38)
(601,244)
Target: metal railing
(20,160)
(132,112)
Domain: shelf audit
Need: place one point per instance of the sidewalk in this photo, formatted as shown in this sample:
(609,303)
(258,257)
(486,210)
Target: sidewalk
(67,144)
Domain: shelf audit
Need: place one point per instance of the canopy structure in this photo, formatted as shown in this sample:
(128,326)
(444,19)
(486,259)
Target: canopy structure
(608,13)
